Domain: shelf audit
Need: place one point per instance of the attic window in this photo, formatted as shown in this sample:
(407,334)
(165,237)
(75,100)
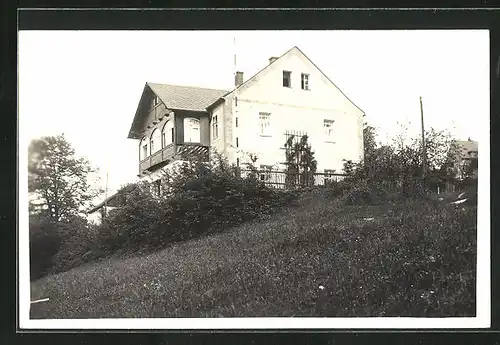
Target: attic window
(156,100)
(304,81)
(287,79)
(328,127)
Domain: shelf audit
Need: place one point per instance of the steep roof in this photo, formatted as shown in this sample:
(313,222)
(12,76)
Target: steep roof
(186,97)
(467,146)
(176,97)
(268,66)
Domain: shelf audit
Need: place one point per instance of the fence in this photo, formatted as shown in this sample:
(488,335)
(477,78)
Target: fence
(285,180)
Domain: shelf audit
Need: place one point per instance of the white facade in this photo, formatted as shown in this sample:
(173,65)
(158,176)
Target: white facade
(265,110)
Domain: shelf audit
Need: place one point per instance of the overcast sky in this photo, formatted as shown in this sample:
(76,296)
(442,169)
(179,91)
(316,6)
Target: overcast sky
(87,84)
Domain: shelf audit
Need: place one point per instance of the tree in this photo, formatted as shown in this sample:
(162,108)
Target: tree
(369,143)
(300,161)
(400,162)
(58,178)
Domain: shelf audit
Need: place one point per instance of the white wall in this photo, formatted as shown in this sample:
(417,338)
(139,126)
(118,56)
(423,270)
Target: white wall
(295,109)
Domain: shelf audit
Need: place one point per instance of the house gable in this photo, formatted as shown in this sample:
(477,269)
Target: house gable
(170,97)
(292,59)
(146,112)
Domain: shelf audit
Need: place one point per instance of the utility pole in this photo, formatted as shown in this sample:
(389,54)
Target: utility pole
(424,150)
(105,213)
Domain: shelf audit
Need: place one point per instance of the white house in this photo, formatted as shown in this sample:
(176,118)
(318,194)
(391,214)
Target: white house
(289,94)
(176,123)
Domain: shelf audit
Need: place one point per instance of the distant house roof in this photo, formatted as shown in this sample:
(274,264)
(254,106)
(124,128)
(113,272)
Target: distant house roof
(115,198)
(467,146)
(186,97)
(101,204)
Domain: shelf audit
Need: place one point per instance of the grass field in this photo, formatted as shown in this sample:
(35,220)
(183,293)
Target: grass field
(416,258)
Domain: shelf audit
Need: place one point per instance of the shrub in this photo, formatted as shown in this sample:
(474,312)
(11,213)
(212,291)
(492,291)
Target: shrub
(363,193)
(78,245)
(197,199)
(45,241)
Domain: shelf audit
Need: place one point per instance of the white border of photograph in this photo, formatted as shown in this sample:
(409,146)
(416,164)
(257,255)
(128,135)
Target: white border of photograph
(483,287)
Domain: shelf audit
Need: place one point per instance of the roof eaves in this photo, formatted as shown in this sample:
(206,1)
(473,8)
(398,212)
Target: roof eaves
(132,134)
(101,204)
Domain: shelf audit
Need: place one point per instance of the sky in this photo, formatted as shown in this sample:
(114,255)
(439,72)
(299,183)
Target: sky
(87,84)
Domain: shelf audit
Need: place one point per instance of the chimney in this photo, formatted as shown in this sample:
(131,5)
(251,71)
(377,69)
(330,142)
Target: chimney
(238,79)
(272,59)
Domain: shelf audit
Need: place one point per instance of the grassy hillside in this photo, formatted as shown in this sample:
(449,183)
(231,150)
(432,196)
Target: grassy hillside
(319,259)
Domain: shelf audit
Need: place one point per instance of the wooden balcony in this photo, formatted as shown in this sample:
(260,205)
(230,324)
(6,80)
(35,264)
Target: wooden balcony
(173,152)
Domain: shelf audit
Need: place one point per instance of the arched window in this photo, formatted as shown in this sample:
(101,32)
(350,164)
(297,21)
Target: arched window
(191,130)
(143,153)
(155,141)
(167,134)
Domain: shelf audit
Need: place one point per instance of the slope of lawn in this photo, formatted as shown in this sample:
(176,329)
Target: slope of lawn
(415,258)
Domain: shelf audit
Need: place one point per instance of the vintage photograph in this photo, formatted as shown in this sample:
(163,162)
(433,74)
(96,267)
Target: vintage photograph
(255,174)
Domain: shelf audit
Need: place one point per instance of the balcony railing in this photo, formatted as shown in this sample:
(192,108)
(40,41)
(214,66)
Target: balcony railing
(187,151)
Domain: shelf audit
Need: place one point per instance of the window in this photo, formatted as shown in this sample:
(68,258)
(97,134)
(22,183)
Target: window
(155,144)
(156,101)
(143,149)
(265,172)
(328,126)
(265,124)
(304,81)
(191,130)
(237,142)
(287,79)
(235,101)
(167,134)
(236,121)
(215,128)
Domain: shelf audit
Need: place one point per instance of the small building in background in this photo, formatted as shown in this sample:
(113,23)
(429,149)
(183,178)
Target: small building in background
(467,156)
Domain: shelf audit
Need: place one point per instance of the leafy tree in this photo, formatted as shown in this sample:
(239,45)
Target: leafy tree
(58,179)
(369,142)
(399,163)
(300,161)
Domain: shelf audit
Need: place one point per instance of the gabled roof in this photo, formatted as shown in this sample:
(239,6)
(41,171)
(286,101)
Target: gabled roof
(268,66)
(467,146)
(101,204)
(177,97)
(186,97)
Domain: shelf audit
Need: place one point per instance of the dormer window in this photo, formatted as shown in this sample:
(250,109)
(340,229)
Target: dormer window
(287,79)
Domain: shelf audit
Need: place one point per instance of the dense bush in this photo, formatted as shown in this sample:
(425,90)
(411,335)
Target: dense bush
(78,245)
(59,246)
(393,172)
(362,193)
(196,199)
(45,241)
